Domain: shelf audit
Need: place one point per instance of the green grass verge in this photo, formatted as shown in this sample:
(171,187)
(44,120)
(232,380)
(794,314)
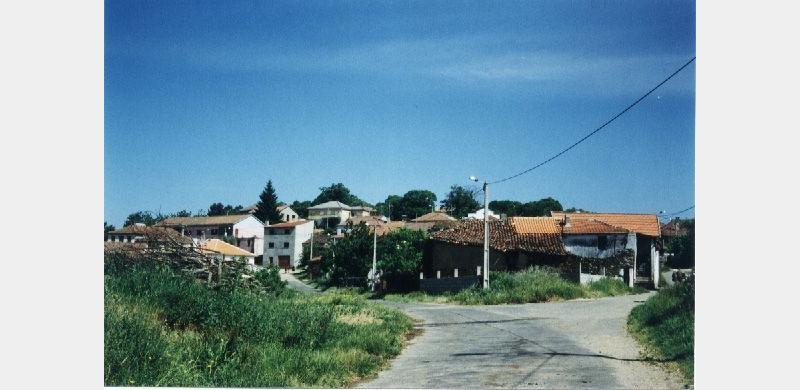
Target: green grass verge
(162,329)
(532,285)
(664,324)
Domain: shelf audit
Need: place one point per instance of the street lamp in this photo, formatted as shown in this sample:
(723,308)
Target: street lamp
(485,231)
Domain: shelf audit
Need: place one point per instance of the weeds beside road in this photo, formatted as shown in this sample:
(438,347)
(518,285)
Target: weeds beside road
(530,286)
(167,329)
(664,324)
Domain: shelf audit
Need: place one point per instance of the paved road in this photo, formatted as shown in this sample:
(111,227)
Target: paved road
(574,344)
(296,284)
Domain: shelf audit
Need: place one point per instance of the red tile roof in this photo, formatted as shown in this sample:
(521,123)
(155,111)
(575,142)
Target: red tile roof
(502,237)
(535,225)
(592,227)
(289,224)
(434,216)
(645,224)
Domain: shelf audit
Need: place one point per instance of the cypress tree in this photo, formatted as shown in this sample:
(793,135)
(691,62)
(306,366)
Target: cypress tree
(268,205)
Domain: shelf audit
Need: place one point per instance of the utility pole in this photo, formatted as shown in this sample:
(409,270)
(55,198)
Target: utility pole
(485,235)
(374,257)
(485,231)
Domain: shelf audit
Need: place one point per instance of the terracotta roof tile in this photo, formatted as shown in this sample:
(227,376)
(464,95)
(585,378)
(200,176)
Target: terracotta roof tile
(289,224)
(592,227)
(535,225)
(502,237)
(433,217)
(645,224)
(204,221)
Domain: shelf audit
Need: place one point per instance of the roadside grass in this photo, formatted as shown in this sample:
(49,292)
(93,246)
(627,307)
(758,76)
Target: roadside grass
(533,285)
(664,324)
(164,329)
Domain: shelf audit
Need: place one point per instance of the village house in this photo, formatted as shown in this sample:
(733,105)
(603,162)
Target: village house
(435,220)
(580,249)
(323,213)
(140,233)
(245,229)
(461,247)
(361,211)
(287,214)
(284,243)
(383,225)
(644,231)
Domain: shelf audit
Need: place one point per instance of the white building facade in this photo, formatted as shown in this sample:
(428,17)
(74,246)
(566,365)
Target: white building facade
(245,229)
(283,243)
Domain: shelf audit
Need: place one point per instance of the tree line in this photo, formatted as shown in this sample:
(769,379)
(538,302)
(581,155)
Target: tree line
(458,202)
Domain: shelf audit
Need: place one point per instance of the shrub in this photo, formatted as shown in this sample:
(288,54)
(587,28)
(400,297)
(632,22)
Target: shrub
(665,324)
(164,328)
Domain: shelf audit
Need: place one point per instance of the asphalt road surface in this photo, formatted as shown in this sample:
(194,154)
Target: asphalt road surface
(573,344)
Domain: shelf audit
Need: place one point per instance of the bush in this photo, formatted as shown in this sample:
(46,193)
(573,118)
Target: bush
(166,329)
(536,284)
(269,280)
(665,324)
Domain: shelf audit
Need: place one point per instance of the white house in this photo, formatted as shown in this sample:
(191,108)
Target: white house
(246,229)
(478,214)
(283,244)
(322,213)
(287,214)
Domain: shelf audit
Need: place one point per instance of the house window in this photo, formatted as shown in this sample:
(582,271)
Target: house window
(602,242)
(285,244)
(270,260)
(236,232)
(198,233)
(271,245)
(259,260)
(214,231)
(271,232)
(287,231)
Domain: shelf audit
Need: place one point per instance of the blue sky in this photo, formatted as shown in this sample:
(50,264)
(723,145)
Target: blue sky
(205,101)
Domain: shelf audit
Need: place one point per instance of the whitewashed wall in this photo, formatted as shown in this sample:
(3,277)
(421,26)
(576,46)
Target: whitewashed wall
(250,227)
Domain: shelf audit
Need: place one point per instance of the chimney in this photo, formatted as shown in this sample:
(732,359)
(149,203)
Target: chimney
(566,221)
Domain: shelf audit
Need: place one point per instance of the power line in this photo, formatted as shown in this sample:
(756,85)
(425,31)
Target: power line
(679,212)
(599,128)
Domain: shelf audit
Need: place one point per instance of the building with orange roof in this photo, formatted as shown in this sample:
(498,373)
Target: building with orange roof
(283,243)
(643,237)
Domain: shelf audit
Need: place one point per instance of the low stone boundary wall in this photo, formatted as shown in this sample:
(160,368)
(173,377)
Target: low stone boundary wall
(441,285)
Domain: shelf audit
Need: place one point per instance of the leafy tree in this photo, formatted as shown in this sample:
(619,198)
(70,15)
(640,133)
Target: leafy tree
(216,209)
(144,217)
(682,247)
(507,207)
(390,207)
(540,208)
(338,192)
(574,210)
(183,213)
(301,208)
(461,201)
(415,203)
(401,250)
(219,209)
(351,256)
(268,205)
(108,228)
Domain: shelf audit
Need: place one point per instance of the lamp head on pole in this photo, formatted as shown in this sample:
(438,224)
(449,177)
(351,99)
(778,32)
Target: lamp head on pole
(473,178)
